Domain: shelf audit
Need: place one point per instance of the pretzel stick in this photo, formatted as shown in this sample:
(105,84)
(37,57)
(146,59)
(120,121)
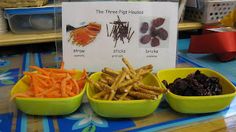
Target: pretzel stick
(128,82)
(142,95)
(122,90)
(125,94)
(153,88)
(105,75)
(95,84)
(125,98)
(131,75)
(115,98)
(110,72)
(144,68)
(100,94)
(128,72)
(117,81)
(147,91)
(144,71)
(130,97)
(106,96)
(104,81)
(130,67)
(127,77)
(104,86)
(136,75)
(108,78)
(111,96)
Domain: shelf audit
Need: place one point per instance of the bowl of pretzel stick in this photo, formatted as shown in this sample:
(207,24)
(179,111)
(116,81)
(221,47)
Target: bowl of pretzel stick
(125,93)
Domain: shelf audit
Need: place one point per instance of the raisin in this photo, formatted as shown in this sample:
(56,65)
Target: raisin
(144,27)
(158,22)
(145,39)
(200,77)
(155,42)
(188,92)
(165,83)
(196,84)
(153,32)
(162,33)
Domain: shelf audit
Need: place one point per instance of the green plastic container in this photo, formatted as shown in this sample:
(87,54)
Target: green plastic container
(123,109)
(46,106)
(197,104)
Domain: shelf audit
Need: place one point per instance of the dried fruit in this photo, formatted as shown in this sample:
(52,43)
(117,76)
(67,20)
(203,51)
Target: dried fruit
(196,84)
(158,22)
(145,39)
(155,42)
(144,27)
(155,32)
(162,33)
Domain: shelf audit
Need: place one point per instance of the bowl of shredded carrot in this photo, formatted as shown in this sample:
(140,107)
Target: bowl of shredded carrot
(49,91)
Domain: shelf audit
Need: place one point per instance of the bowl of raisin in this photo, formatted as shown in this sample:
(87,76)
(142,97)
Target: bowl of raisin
(196,90)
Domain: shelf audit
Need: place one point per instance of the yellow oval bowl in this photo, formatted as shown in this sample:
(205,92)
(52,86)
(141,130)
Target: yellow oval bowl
(123,109)
(197,104)
(46,106)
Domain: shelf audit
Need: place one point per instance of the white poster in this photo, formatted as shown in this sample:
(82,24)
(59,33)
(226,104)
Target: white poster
(99,34)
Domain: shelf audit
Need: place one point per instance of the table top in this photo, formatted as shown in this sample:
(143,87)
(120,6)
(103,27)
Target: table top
(163,119)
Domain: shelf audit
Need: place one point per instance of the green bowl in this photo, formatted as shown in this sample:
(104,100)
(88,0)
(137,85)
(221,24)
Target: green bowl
(45,106)
(123,109)
(197,104)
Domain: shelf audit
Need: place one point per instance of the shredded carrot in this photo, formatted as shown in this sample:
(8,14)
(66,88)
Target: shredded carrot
(53,83)
(72,72)
(39,70)
(77,88)
(62,66)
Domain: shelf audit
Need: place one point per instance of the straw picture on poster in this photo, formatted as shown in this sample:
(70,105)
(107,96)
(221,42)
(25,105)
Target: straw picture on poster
(83,35)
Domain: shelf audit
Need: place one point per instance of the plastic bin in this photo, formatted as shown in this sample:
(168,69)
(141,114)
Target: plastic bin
(211,11)
(34,20)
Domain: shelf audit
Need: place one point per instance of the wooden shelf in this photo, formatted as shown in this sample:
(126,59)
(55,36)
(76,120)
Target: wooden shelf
(189,26)
(17,39)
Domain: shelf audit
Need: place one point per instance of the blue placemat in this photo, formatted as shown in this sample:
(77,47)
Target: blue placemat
(228,69)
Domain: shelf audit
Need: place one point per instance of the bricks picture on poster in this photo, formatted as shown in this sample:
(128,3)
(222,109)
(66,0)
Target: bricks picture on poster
(153,32)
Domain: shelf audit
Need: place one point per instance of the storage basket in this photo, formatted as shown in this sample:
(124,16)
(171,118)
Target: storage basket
(21,3)
(211,12)
(34,20)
